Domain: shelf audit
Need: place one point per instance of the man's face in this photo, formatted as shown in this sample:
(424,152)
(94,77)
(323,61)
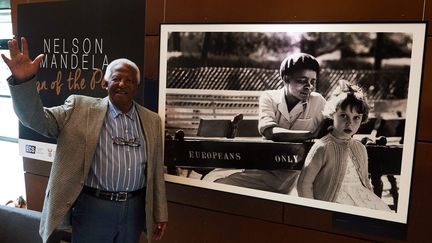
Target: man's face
(122,86)
(301,83)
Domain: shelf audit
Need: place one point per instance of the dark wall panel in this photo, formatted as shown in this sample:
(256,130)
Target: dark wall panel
(226,202)
(425,116)
(279,10)
(307,217)
(154,16)
(190,224)
(419,220)
(35,190)
(428,14)
(151,57)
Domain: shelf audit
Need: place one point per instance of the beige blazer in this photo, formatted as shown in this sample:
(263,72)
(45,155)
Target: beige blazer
(76,125)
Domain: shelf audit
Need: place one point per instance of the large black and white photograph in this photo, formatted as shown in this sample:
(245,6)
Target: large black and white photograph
(318,115)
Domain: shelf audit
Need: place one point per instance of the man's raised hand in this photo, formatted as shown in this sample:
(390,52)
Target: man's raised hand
(20,64)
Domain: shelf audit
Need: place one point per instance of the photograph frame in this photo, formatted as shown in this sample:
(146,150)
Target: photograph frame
(415,30)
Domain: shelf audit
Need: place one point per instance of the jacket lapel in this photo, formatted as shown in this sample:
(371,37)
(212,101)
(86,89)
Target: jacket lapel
(282,105)
(146,130)
(95,117)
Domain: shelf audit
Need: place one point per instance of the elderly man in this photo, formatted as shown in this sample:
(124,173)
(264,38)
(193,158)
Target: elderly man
(107,173)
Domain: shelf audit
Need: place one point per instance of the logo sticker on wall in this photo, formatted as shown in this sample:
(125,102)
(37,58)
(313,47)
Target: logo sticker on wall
(37,150)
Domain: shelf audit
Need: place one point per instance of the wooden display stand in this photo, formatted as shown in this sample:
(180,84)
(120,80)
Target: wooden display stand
(36,175)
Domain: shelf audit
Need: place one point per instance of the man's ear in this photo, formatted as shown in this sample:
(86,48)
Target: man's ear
(104,84)
(285,78)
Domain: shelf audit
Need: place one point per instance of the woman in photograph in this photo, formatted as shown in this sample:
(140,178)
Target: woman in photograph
(336,167)
(292,113)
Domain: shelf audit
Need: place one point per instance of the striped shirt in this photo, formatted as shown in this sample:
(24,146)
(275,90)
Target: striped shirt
(119,162)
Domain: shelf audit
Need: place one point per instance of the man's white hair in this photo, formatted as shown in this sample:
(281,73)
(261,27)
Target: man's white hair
(124,61)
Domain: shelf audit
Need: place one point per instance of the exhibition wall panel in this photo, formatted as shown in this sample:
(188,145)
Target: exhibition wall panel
(200,215)
(14,4)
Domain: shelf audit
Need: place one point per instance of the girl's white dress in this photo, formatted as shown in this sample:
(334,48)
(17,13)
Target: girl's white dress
(352,191)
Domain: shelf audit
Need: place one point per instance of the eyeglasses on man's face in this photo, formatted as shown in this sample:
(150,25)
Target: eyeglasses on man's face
(133,142)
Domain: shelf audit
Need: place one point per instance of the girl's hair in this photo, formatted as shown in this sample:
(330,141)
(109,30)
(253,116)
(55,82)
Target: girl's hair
(296,62)
(347,95)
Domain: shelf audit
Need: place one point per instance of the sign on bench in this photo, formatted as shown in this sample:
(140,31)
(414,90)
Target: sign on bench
(245,153)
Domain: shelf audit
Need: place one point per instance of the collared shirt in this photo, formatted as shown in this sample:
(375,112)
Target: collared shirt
(119,163)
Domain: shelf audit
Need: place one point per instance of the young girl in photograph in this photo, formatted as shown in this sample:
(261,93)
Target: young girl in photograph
(336,167)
